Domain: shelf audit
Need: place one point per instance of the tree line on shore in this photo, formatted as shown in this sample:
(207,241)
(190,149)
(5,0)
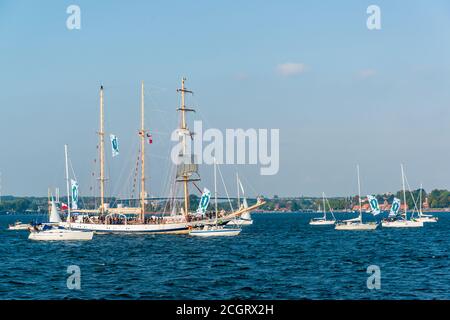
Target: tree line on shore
(436,199)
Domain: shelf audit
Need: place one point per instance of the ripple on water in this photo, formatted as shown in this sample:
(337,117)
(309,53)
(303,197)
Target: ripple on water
(279,257)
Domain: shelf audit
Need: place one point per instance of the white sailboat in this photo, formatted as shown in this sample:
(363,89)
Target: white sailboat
(401,221)
(322,221)
(424,217)
(356,223)
(245,219)
(54,233)
(18,225)
(215,230)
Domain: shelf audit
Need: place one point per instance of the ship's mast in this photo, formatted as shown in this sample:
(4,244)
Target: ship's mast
(215,189)
(142,134)
(324,207)
(101,134)
(183,128)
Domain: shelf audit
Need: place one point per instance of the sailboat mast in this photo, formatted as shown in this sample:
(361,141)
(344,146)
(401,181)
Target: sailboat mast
(102,155)
(67,184)
(359,195)
(324,211)
(142,155)
(420,197)
(238,192)
(49,203)
(404,191)
(183,128)
(215,187)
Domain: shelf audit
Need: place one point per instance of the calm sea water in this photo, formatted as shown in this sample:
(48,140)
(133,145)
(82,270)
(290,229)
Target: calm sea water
(279,257)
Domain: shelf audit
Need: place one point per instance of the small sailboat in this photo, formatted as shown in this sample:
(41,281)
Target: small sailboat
(421,216)
(18,225)
(245,219)
(356,223)
(48,233)
(215,230)
(52,232)
(322,221)
(396,220)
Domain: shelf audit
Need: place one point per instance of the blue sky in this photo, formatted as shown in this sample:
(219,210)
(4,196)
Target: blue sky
(376,98)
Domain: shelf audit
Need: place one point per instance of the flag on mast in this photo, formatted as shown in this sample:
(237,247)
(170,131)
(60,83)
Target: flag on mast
(114,145)
(204,202)
(374,207)
(395,208)
(74,193)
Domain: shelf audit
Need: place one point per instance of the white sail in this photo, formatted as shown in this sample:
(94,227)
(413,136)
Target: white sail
(244,201)
(54,215)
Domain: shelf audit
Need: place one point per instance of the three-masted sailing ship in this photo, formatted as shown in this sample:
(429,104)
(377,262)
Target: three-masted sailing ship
(106,219)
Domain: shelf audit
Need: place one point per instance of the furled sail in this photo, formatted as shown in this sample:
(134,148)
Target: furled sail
(187,168)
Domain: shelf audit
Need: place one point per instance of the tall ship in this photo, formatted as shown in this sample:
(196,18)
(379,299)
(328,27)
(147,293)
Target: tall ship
(178,218)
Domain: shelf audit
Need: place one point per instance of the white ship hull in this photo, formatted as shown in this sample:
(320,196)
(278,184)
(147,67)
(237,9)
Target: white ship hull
(356,226)
(129,228)
(402,224)
(322,222)
(60,235)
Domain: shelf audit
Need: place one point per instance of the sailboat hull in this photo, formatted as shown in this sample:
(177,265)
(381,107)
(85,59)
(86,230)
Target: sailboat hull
(215,233)
(322,222)
(356,226)
(402,224)
(427,219)
(61,235)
